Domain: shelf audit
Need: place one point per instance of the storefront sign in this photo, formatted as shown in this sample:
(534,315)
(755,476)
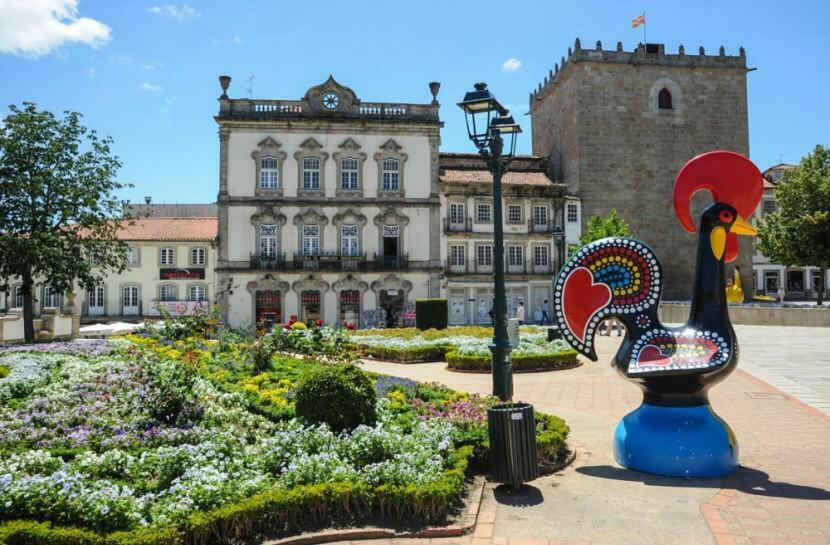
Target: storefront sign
(181,274)
(179,308)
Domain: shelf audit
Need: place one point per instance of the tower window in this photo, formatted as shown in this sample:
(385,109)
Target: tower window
(664,99)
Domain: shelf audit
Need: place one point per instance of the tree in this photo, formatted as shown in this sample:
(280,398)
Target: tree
(611,225)
(59,215)
(798,234)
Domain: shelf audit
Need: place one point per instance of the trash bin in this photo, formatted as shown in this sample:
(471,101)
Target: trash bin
(513,457)
(553,334)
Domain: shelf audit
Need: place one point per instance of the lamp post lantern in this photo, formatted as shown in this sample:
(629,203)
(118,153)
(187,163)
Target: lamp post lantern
(488,125)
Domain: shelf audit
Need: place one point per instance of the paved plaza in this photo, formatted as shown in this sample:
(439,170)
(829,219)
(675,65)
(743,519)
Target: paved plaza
(779,496)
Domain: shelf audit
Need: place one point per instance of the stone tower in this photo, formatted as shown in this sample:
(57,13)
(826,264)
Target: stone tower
(619,125)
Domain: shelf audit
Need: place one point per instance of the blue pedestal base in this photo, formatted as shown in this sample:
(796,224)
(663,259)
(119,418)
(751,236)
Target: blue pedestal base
(676,442)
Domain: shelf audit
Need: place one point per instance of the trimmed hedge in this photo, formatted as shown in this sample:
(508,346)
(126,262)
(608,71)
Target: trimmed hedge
(406,355)
(466,362)
(276,510)
(431,314)
(342,396)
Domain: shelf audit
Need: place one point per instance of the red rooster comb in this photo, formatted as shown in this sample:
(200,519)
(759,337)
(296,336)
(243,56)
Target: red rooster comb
(730,177)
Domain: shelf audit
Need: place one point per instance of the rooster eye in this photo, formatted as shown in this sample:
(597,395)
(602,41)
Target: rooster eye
(725,216)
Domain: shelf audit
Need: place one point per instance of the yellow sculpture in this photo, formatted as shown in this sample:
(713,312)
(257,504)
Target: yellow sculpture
(734,292)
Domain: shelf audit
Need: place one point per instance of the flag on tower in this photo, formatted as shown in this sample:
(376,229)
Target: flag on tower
(639,20)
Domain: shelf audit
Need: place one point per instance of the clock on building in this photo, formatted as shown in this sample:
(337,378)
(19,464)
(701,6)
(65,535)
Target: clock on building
(331,100)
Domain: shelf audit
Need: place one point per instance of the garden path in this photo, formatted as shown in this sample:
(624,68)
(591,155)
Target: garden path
(779,496)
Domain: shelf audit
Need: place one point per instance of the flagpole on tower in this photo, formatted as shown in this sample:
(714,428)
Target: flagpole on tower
(645,41)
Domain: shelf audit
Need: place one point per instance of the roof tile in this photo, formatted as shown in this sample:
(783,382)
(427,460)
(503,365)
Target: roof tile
(171,229)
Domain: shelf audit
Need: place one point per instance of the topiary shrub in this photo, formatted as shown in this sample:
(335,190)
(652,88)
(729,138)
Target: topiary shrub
(342,396)
(4,371)
(431,314)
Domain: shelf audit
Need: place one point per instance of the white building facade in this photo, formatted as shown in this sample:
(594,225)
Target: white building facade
(328,208)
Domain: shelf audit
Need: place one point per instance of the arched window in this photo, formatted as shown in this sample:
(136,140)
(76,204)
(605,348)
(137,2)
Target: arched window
(197,292)
(664,99)
(167,292)
(391,174)
(269,177)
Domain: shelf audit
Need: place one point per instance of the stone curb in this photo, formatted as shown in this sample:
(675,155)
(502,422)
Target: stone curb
(359,534)
(518,371)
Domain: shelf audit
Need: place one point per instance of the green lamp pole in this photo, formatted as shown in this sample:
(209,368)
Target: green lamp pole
(488,122)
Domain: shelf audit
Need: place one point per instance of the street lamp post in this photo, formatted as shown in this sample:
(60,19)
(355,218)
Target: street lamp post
(488,122)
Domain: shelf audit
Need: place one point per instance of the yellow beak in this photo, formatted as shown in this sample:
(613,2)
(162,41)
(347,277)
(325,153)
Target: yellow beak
(742,227)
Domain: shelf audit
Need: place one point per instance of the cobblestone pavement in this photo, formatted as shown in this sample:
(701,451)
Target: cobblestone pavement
(779,496)
(793,359)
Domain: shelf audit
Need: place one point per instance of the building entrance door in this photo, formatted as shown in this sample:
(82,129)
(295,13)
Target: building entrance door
(458,302)
(392,302)
(268,308)
(129,301)
(350,307)
(96,301)
(310,305)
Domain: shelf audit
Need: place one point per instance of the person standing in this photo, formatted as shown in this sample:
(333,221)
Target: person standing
(520,313)
(545,317)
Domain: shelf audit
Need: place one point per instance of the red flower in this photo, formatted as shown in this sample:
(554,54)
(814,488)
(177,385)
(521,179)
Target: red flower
(318,323)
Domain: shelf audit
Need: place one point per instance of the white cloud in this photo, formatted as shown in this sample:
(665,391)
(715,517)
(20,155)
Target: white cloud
(121,59)
(173,11)
(36,27)
(91,72)
(236,40)
(150,87)
(511,65)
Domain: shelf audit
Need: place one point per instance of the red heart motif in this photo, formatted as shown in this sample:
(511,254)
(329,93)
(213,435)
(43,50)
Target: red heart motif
(651,356)
(581,299)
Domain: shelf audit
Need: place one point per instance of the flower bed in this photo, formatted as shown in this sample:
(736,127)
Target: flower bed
(464,348)
(169,441)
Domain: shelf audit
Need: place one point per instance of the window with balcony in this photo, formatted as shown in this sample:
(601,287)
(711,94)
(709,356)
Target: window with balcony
(540,256)
(514,213)
(484,213)
(391,174)
(311,173)
(484,257)
(268,240)
(457,213)
(540,216)
(348,173)
(349,240)
(769,206)
(167,256)
(311,240)
(457,257)
(572,212)
(198,257)
(167,292)
(515,256)
(269,173)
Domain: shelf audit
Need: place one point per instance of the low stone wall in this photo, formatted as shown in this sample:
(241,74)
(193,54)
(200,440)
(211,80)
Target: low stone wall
(52,324)
(673,313)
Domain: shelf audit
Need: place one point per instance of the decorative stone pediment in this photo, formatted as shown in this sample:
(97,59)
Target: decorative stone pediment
(268,214)
(269,146)
(349,282)
(390,216)
(310,282)
(349,145)
(268,283)
(392,282)
(349,216)
(391,148)
(347,98)
(311,216)
(310,146)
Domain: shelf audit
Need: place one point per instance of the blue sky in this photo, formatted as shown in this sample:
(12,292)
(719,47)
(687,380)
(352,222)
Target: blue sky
(145,71)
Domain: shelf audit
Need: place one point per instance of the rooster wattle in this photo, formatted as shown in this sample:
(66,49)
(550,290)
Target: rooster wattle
(674,431)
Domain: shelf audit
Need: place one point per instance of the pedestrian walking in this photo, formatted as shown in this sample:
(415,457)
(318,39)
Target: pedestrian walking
(545,317)
(520,313)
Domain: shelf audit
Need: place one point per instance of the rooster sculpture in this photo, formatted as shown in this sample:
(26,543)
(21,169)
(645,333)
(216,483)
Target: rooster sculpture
(674,432)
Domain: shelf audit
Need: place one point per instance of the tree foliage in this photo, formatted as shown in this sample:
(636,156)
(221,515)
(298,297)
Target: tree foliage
(611,225)
(59,214)
(798,233)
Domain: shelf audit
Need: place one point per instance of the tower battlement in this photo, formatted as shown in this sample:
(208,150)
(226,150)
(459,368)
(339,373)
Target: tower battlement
(645,54)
